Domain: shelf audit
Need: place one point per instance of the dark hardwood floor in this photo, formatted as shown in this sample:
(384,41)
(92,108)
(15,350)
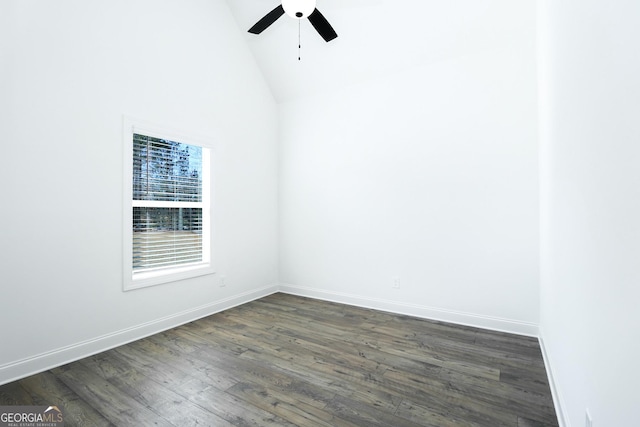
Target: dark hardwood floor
(285,360)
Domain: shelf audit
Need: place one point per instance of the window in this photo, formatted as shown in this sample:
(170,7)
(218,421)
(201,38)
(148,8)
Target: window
(167,207)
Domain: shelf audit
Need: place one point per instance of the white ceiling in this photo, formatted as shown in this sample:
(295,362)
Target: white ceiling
(375,37)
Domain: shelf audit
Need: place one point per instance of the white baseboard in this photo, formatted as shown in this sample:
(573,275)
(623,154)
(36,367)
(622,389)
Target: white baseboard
(22,368)
(558,402)
(425,312)
(42,362)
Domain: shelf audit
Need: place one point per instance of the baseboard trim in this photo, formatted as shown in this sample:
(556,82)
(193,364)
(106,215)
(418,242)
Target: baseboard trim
(23,368)
(558,401)
(45,361)
(425,312)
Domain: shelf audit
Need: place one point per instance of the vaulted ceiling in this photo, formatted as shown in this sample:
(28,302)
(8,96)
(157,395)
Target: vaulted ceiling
(375,37)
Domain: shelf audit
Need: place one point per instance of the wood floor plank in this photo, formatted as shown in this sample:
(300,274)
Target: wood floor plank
(455,350)
(446,399)
(286,360)
(525,422)
(14,394)
(396,348)
(192,366)
(118,408)
(269,376)
(293,345)
(163,400)
(366,415)
(429,418)
(287,406)
(236,411)
(47,389)
(154,368)
(338,378)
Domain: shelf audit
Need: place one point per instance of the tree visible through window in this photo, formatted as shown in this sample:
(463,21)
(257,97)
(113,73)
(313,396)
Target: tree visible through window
(168,231)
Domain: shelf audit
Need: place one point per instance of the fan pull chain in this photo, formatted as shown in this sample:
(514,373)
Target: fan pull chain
(299,45)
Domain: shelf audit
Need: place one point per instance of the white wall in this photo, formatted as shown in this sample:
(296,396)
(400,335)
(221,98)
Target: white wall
(590,250)
(430,175)
(69,71)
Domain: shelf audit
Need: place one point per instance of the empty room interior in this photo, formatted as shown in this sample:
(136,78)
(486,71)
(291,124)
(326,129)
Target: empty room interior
(430,220)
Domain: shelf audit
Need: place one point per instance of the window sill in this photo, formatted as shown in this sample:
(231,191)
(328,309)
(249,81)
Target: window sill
(166,275)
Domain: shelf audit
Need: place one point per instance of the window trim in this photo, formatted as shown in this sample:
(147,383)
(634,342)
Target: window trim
(174,273)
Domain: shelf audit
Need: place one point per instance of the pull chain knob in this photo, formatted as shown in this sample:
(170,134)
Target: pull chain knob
(299,45)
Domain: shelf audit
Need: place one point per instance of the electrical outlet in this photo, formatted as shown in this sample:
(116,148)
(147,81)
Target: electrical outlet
(395,282)
(223,281)
(588,422)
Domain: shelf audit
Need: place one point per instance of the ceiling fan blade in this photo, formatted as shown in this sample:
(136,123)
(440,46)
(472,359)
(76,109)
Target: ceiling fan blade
(267,20)
(322,26)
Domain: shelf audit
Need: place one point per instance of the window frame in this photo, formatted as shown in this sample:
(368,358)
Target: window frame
(163,275)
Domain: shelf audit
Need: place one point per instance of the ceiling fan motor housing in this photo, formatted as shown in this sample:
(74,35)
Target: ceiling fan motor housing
(299,9)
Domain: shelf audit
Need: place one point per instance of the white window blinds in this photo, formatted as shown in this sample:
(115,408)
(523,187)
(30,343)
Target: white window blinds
(167,203)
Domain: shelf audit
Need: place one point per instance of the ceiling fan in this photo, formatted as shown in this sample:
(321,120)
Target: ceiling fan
(297,9)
